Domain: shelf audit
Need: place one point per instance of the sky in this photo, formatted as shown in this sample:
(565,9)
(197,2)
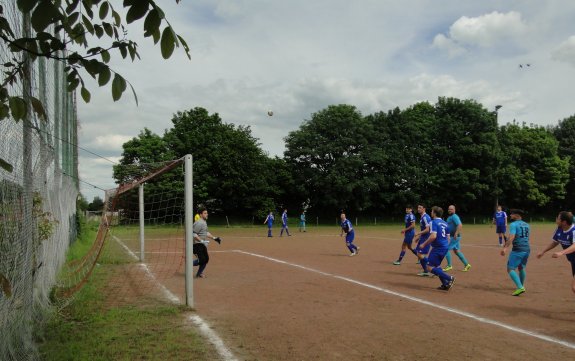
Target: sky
(297,57)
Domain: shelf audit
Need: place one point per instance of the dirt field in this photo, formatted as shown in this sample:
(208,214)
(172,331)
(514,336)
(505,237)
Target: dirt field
(304,298)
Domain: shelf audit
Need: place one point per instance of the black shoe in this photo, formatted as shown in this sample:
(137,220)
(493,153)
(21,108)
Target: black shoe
(443,288)
(451,282)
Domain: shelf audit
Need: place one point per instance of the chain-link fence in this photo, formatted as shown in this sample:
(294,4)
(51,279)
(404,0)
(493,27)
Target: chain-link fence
(37,199)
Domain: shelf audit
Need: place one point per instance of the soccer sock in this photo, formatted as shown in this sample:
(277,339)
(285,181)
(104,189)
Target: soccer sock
(413,251)
(522,275)
(448,258)
(401,256)
(349,246)
(423,263)
(515,278)
(444,277)
(500,240)
(201,269)
(196,262)
(462,258)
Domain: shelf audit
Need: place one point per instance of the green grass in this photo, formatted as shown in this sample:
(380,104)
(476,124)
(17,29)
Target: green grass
(89,329)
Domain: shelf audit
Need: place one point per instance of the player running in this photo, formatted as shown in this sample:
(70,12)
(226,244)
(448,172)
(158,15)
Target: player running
(564,236)
(347,228)
(455,226)
(284,223)
(421,237)
(500,221)
(439,241)
(409,233)
(270,221)
(519,237)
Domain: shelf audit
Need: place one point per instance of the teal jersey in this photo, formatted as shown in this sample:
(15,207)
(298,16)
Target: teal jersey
(521,231)
(453,221)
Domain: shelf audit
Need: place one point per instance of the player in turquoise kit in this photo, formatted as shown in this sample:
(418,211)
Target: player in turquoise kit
(500,220)
(421,237)
(347,228)
(439,241)
(455,226)
(408,234)
(564,235)
(270,221)
(518,236)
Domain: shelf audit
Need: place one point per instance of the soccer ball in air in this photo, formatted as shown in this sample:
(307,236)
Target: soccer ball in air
(270,113)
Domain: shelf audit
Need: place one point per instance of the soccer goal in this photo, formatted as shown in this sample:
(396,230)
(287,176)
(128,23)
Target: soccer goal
(143,249)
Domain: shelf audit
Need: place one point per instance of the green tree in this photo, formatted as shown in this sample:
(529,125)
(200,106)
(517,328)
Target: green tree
(230,170)
(83,34)
(565,134)
(96,205)
(534,173)
(328,157)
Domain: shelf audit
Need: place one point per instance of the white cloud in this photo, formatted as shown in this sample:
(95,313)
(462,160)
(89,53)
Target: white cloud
(566,51)
(483,31)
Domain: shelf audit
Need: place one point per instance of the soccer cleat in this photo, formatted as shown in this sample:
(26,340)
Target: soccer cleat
(397,263)
(443,288)
(450,284)
(418,262)
(466,268)
(519,291)
(425,274)
(448,268)
(357,250)
(201,276)
(352,254)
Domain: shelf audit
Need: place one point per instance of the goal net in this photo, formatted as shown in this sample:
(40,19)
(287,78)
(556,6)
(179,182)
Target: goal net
(139,251)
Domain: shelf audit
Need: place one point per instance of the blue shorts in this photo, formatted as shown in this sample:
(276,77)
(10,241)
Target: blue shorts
(420,242)
(454,243)
(436,256)
(517,259)
(408,238)
(500,229)
(349,237)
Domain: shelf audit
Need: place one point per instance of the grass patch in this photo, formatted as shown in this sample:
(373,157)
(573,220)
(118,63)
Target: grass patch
(88,328)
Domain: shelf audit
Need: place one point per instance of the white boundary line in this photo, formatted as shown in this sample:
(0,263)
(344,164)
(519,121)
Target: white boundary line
(422,301)
(203,327)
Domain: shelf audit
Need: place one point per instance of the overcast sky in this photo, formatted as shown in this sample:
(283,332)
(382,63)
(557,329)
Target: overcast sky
(298,57)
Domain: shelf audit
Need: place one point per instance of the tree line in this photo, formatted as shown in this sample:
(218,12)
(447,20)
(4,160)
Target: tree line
(450,152)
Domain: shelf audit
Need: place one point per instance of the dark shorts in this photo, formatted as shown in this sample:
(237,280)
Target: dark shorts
(420,242)
(349,237)
(436,256)
(408,238)
(500,229)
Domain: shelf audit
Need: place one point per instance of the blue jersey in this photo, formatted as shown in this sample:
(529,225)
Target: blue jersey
(270,220)
(521,231)
(424,221)
(500,218)
(453,222)
(284,219)
(409,220)
(346,226)
(565,238)
(440,228)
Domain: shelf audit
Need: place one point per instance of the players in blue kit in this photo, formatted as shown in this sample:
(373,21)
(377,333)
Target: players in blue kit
(421,237)
(270,221)
(455,226)
(408,234)
(284,223)
(518,236)
(500,220)
(347,228)
(438,240)
(564,236)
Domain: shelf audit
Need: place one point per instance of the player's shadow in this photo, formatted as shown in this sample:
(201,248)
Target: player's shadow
(334,254)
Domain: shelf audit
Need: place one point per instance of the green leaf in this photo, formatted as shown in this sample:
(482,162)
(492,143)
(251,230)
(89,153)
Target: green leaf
(73,84)
(72,6)
(26,5)
(104,8)
(137,11)
(6,166)
(108,29)
(98,30)
(4,111)
(38,108)
(85,94)
(168,42)
(118,87)
(156,36)
(105,76)
(117,18)
(88,24)
(152,23)
(44,14)
(105,56)
(17,107)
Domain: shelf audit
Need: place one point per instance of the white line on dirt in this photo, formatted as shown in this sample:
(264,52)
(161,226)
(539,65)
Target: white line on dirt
(202,326)
(422,301)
